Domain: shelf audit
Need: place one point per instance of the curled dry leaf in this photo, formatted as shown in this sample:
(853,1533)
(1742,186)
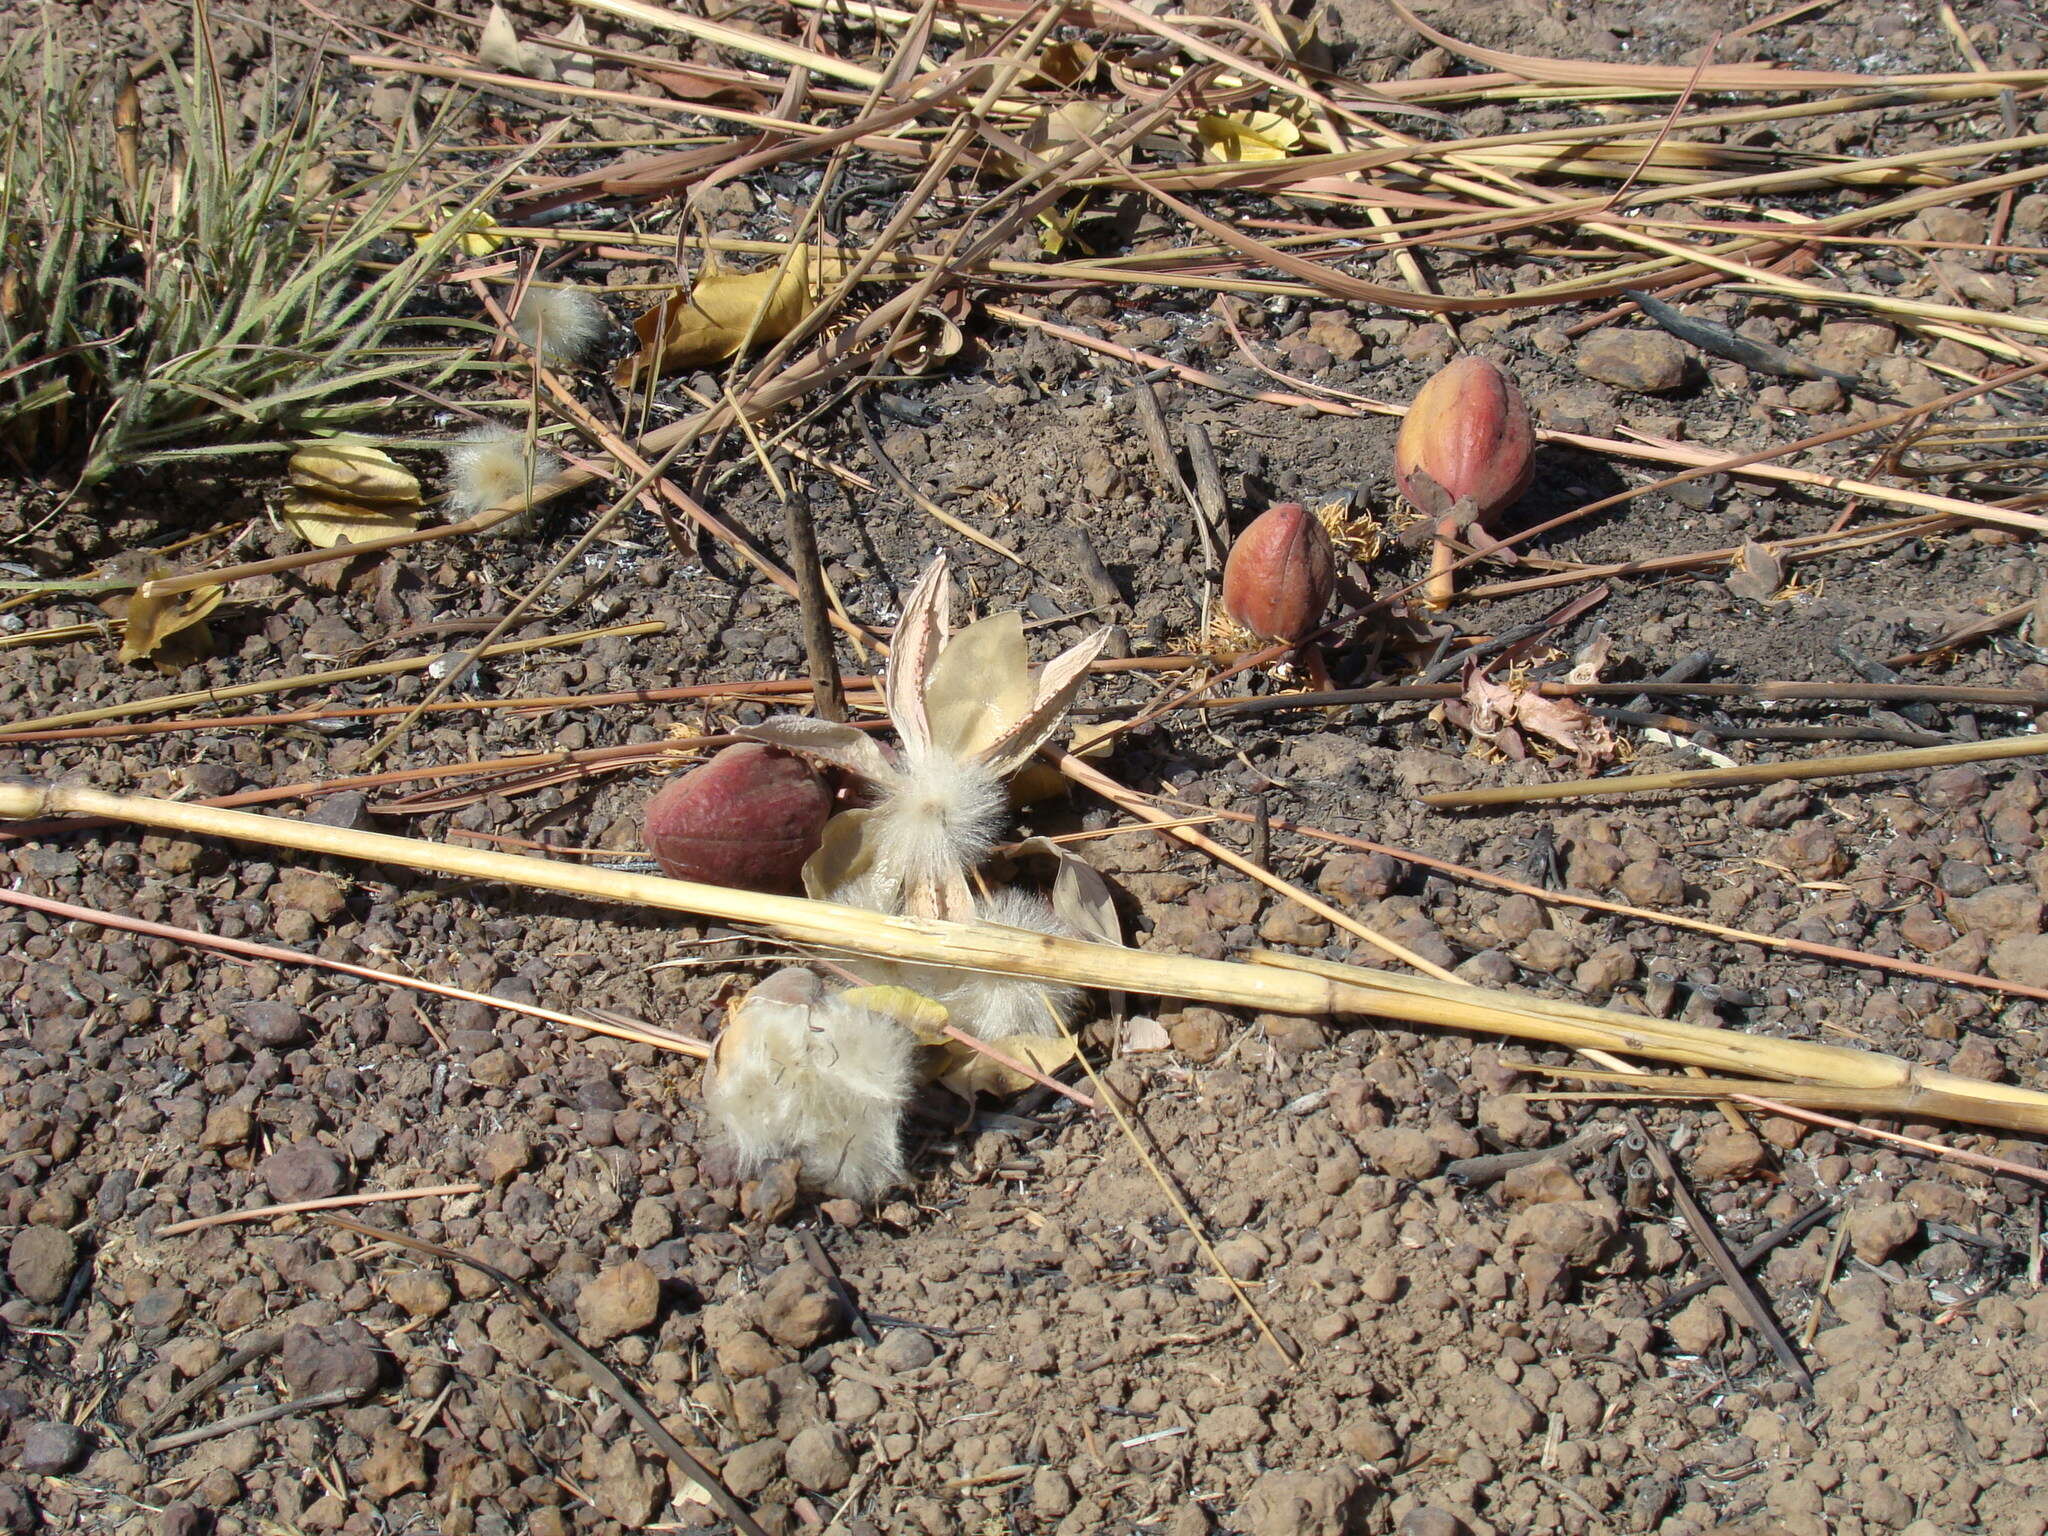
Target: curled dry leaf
(722,310)
(500,48)
(1072,122)
(169,632)
(1246,137)
(931,339)
(1503,715)
(347,493)
(353,472)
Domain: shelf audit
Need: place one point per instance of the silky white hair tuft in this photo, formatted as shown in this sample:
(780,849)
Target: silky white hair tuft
(939,817)
(800,1072)
(491,467)
(563,325)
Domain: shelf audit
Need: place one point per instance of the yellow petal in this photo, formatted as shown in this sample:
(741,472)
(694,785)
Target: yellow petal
(1246,136)
(913,1010)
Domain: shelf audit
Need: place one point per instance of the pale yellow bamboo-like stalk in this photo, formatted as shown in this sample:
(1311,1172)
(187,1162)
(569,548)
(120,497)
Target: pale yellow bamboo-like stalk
(1885,1084)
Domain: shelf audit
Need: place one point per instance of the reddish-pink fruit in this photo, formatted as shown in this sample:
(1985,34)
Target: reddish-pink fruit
(749,818)
(1466,436)
(1280,574)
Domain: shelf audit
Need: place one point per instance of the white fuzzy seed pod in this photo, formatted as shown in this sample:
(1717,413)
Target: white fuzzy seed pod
(801,1073)
(491,467)
(563,325)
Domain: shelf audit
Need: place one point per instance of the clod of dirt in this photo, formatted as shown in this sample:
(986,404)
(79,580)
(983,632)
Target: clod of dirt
(305,1170)
(1876,1232)
(341,1358)
(1698,1326)
(799,1309)
(1305,1503)
(421,1293)
(819,1459)
(624,1299)
(277,1025)
(40,1261)
(1647,362)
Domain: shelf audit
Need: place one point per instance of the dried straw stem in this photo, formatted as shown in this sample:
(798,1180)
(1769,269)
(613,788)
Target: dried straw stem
(1884,1084)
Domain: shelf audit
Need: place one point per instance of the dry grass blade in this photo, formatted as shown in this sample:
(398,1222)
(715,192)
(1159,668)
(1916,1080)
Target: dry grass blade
(1759,773)
(1884,1084)
(331,1203)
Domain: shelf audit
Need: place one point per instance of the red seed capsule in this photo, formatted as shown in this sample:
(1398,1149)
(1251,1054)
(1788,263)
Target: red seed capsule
(1468,432)
(1280,574)
(748,817)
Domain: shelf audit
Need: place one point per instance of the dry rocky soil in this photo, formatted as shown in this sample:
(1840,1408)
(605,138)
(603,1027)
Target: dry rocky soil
(1028,1338)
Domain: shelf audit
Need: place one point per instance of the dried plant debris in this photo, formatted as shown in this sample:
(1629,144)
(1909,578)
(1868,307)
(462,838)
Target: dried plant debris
(801,1072)
(347,493)
(498,466)
(1514,721)
(563,325)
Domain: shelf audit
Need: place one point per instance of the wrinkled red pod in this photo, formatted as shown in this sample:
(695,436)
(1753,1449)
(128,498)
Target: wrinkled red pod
(748,817)
(1281,573)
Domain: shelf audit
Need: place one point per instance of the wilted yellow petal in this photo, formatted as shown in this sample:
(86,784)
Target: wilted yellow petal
(353,472)
(1246,136)
(967,1071)
(325,522)
(712,321)
(475,239)
(980,685)
(170,631)
(913,1010)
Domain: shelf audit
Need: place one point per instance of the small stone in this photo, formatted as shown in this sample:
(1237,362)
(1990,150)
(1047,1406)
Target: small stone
(904,1349)
(1430,1520)
(40,1262)
(2022,960)
(1052,1493)
(798,1308)
(1647,362)
(420,1292)
(1231,1427)
(1200,1034)
(1403,1152)
(1698,1326)
(397,1463)
(1243,1257)
(819,1459)
(227,1125)
(745,1353)
(305,1170)
(1368,1437)
(183,1519)
(753,1467)
(1876,1232)
(494,1069)
(322,897)
(341,1358)
(503,1157)
(652,1223)
(1540,1183)
(1726,1153)
(50,1448)
(623,1299)
(277,1025)
(624,1485)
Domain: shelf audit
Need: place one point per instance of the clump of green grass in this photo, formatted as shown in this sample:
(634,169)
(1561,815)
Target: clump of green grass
(165,288)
